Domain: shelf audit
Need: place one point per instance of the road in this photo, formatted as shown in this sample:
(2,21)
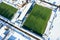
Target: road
(20,29)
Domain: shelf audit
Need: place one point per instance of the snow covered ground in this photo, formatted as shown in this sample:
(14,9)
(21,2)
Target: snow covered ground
(57,2)
(52,31)
(55,31)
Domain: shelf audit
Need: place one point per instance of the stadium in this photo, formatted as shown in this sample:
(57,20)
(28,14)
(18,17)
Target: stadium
(38,19)
(35,18)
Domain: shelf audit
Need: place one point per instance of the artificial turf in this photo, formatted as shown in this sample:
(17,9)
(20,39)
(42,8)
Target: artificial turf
(38,18)
(7,11)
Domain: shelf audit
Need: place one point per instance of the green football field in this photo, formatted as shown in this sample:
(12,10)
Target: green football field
(7,11)
(38,18)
